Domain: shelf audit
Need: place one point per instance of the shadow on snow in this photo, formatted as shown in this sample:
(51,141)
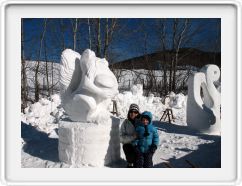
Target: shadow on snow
(38,143)
(205,156)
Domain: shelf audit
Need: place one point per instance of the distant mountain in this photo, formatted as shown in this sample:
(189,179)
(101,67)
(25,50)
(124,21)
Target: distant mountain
(186,57)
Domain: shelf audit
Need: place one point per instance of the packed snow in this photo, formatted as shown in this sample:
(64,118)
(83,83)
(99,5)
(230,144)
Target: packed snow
(180,146)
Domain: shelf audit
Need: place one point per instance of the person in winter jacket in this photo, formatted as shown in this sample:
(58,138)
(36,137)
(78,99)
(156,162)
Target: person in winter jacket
(128,135)
(147,141)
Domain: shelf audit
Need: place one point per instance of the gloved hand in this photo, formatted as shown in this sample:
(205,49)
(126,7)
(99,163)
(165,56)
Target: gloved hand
(153,148)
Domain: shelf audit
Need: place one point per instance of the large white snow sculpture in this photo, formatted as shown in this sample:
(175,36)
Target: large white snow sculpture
(90,136)
(86,84)
(203,103)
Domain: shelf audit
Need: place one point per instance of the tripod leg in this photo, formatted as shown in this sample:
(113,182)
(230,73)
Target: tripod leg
(162,115)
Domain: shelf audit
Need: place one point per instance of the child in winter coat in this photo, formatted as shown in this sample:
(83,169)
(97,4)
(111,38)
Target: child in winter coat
(128,134)
(146,142)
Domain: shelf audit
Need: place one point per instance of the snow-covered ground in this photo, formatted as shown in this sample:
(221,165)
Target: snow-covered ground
(179,145)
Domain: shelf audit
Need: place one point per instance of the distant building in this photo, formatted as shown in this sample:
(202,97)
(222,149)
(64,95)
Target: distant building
(186,57)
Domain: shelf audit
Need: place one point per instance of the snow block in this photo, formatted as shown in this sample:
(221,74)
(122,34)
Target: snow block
(89,144)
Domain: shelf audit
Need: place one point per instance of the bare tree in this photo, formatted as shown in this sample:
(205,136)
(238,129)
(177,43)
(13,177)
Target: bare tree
(100,34)
(106,38)
(74,24)
(98,37)
(37,85)
(46,69)
(110,28)
(150,76)
(163,40)
(89,34)
(62,28)
(179,37)
(24,93)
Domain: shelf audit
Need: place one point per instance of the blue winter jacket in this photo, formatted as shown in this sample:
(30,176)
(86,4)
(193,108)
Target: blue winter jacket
(144,142)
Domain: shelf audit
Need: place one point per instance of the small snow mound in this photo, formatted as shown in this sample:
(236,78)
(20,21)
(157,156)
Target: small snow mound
(179,101)
(43,113)
(44,101)
(56,99)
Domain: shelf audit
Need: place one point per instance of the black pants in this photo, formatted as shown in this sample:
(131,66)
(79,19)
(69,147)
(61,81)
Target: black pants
(129,153)
(144,160)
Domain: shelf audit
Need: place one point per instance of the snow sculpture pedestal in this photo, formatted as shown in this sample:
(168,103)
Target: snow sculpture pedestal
(88,144)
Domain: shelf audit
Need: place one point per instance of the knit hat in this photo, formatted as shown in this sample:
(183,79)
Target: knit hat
(134,106)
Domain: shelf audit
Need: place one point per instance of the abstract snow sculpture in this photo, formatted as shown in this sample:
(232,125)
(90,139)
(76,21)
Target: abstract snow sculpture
(87,84)
(203,103)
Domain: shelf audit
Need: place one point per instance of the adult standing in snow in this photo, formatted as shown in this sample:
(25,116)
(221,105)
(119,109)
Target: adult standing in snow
(128,134)
(147,141)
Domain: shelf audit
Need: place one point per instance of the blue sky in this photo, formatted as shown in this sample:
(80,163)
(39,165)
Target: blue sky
(133,37)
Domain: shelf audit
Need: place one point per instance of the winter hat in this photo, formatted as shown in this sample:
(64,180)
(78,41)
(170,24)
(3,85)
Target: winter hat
(134,107)
(147,115)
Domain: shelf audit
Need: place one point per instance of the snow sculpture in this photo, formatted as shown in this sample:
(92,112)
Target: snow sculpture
(87,84)
(89,137)
(203,103)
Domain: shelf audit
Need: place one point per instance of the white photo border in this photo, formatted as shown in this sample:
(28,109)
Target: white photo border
(4,168)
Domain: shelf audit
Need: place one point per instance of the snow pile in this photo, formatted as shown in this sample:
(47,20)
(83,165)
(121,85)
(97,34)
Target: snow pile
(177,101)
(151,103)
(44,114)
